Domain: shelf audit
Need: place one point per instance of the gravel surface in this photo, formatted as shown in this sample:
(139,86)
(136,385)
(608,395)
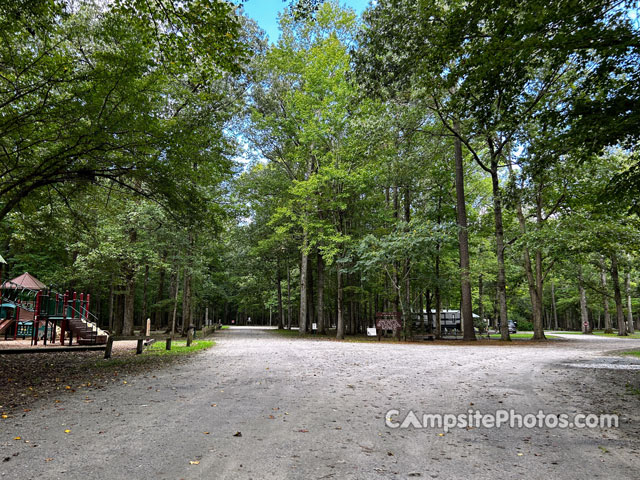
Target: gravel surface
(265,407)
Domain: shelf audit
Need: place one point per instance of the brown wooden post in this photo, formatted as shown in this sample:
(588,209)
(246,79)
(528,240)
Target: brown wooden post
(36,319)
(190,335)
(139,347)
(107,350)
(168,343)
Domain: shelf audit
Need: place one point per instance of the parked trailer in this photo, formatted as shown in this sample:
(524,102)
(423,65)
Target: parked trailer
(450,321)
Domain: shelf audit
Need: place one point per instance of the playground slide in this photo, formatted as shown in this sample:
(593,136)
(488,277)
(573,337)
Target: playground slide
(4,324)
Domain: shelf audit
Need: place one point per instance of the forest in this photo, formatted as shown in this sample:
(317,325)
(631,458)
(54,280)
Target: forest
(429,155)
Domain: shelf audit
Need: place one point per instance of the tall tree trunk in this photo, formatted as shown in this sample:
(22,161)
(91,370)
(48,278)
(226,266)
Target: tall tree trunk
(629,312)
(466,309)
(130,289)
(304,260)
(407,315)
(421,300)
(605,298)
(438,299)
(501,290)
(175,302)
(480,304)
(119,315)
(187,316)
(583,303)
(622,329)
(157,314)
(427,297)
(144,296)
(310,295)
(111,301)
(396,280)
(437,295)
(538,324)
(129,302)
(320,309)
(279,287)
(553,306)
(340,320)
(289,306)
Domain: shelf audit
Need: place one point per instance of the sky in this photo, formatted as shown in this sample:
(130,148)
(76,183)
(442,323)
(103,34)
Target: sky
(265,12)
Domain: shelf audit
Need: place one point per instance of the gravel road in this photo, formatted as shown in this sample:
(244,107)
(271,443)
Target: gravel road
(259,406)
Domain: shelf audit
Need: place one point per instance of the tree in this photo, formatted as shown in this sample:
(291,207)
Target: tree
(94,92)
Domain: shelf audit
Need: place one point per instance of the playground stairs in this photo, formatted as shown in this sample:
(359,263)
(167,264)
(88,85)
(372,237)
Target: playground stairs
(86,333)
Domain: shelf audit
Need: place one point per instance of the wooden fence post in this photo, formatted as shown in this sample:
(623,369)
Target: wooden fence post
(107,351)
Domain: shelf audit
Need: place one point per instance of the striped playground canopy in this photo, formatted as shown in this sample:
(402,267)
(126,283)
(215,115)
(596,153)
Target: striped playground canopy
(26,280)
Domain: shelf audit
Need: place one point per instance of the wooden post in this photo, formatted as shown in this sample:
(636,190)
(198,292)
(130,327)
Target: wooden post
(139,347)
(190,335)
(15,331)
(36,320)
(168,343)
(63,325)
(148,327)
(107,351)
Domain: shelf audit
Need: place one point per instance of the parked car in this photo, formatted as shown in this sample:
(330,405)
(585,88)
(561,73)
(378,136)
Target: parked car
(512,327)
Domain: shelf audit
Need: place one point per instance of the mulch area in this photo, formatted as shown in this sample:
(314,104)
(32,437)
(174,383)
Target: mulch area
(27,378)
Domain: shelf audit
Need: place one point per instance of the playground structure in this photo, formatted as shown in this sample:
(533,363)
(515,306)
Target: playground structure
(39,312)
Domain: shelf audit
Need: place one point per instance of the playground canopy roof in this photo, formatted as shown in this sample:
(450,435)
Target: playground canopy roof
(25,280)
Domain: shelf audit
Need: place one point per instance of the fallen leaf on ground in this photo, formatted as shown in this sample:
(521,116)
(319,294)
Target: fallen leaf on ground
(237,434)
(303,430)
(67,431)
(48,459)
(194,462)
(17,438)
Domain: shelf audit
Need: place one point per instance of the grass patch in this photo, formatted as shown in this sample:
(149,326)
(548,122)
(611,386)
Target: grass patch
(600,333)
(525,335)
(178,347)
(632,353)
(156,352)
(224,327)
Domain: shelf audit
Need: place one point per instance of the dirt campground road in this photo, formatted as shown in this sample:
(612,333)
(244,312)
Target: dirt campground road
(308,409)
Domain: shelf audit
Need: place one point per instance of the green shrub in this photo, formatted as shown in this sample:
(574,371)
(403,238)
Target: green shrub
(524,325)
